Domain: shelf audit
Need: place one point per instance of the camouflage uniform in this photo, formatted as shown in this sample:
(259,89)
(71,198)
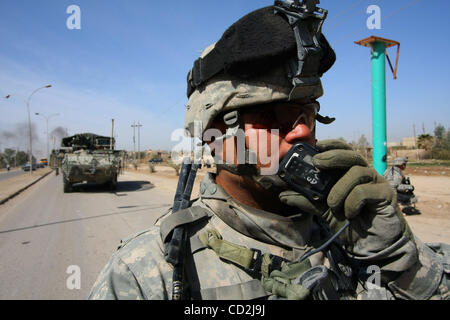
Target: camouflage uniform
(397,180)
(239,252)
(138,269)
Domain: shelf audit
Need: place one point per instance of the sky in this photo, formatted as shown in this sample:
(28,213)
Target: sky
(129,62)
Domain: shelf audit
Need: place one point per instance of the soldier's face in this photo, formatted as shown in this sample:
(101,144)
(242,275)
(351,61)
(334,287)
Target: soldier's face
(270,131)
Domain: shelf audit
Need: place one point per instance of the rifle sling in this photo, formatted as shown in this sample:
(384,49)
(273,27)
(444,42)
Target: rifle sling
(182,217)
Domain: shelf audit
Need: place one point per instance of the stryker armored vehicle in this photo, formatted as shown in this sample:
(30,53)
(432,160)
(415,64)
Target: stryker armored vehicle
(90,158)
(56,157)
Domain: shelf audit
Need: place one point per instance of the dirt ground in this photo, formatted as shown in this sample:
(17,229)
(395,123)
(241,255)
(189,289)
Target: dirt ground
(433,224)
(428,171)
(432,187)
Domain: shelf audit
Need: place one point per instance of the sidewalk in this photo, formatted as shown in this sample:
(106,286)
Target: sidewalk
(12,169)
(11,187)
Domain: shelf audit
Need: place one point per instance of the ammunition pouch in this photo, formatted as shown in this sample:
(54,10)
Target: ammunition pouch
(283,279)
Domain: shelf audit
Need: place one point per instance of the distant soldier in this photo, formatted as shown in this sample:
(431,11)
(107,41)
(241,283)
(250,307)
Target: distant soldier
(400,183)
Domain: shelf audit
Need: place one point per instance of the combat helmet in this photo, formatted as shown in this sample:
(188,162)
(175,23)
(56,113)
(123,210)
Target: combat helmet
(277,53)
(400,161)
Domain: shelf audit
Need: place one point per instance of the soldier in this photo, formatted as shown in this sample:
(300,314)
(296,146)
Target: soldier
(401,185)
(248,235)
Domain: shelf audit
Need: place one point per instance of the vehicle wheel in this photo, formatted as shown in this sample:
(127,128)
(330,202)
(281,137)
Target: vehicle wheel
(67,186)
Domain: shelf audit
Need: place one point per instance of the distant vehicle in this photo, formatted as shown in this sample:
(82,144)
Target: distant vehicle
(26,167)
(44,161)
(156,160)
(89,158)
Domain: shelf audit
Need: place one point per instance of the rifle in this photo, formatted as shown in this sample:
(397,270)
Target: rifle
(176,248)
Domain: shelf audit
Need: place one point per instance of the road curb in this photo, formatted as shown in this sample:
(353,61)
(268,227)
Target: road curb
(2,201)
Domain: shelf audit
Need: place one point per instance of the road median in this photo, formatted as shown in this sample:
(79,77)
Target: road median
(11,187)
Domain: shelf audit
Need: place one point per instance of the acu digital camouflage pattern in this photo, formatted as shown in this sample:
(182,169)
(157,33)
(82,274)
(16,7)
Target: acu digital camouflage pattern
(90,160)
(226,93)
(56,158)
(400,161)
(396,179)
(138,269)
(401,186)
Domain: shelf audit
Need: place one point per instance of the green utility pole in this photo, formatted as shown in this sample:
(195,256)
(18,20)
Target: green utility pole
(378,46)
(379,107)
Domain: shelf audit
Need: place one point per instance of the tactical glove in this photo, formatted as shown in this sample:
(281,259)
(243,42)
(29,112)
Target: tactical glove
(361,195)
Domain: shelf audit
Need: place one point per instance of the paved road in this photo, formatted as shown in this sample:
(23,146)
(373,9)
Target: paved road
(14,173)
(44,231)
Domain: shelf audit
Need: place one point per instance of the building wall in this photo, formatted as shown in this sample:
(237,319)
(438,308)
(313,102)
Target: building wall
(409,142)
(412,154)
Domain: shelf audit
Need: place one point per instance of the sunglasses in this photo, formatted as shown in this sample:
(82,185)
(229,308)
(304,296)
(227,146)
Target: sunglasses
(283,117)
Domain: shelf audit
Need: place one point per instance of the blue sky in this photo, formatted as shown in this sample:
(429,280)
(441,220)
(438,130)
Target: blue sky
(130,59)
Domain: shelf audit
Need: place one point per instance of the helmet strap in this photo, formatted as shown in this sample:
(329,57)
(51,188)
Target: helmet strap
(271,183)
(234,124)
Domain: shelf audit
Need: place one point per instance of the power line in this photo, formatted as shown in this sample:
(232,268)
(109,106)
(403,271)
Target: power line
(342,13)
(345,10)
(403,8)
(160,115)
(386,18)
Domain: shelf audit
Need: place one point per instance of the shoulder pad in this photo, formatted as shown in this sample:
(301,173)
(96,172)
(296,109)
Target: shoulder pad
(182,217)
(125,241)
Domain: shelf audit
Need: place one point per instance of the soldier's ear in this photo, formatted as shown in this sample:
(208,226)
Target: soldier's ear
(218,124)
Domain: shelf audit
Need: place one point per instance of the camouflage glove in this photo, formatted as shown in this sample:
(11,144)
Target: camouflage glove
(360,195)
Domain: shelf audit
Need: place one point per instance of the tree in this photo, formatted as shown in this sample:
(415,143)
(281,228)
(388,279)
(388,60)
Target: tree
(363,143)
(447,140)
(3,161)
(441,146)
(439,134)
(22,158)
(425,141)
(9,155)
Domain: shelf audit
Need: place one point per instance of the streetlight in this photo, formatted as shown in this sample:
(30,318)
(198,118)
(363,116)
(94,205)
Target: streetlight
(29,123)
(46,119)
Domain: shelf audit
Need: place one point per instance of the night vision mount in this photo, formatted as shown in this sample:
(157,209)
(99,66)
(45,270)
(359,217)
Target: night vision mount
(306,20)
(288,33)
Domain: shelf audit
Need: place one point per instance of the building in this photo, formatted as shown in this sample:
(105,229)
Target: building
(409,142)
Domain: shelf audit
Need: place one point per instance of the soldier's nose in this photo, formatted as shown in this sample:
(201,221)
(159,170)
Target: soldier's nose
(299,132)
